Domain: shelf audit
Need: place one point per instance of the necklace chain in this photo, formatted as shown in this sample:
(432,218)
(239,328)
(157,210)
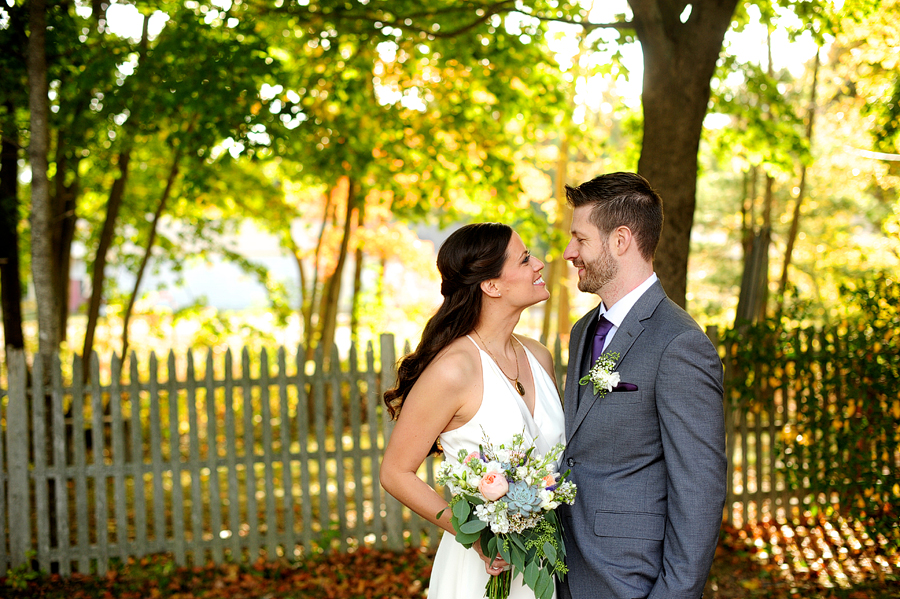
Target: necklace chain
(515,381)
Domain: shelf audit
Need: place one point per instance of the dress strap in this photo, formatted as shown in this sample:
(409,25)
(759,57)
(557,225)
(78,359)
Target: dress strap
(473,342)
(531,426)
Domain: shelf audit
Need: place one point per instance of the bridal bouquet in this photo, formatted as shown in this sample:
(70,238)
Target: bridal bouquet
(506,497)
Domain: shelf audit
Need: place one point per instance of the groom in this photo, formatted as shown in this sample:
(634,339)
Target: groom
(649,456)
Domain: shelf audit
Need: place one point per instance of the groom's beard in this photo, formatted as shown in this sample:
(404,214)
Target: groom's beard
(598,272)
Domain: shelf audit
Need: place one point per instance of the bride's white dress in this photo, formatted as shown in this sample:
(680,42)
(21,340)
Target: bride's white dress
(459,573)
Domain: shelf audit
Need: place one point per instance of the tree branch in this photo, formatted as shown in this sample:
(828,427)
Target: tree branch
(413,21)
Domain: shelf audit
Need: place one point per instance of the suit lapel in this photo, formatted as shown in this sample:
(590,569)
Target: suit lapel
(621,343)
(577,344)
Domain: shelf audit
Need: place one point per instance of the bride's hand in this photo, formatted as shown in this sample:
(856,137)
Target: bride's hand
(494,568)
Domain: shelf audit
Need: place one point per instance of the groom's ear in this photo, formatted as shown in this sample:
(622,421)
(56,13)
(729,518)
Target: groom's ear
(623,239)
(490,288)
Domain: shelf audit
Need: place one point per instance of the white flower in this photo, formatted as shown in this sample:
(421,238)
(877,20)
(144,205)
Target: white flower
(494,515)
(609,379)
(601,374)
(547,502)
(493,466)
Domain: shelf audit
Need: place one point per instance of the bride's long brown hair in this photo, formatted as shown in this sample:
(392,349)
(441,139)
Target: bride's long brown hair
(471,255)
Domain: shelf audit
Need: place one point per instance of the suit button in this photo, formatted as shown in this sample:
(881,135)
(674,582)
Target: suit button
(570,462)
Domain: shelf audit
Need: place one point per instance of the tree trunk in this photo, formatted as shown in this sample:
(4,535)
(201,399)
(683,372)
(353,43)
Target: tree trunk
(10,276)
(768,201)
(107,235)
(556,279)
(679,61)
(43,264)
(311,296)
(801,191)
(756,265)
(163,200)
(288,242)
(98,275)
(64,202)
(357,277)
(765,237)
(747,213)
(328,314)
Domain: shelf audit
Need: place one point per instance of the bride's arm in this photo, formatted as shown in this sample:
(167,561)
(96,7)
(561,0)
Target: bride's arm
(446,396)
(437,402)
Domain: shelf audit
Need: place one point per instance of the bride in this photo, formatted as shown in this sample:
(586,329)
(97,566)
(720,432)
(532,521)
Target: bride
(470,376)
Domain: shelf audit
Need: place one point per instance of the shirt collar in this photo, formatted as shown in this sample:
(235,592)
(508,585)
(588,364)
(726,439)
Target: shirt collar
(621,308)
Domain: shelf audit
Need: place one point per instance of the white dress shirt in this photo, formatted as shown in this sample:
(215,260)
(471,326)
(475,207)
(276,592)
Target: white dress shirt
(621,308)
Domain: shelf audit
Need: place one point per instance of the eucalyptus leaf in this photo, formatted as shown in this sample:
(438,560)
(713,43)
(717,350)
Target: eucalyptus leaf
(466,539)
(473,526)
(550,552)
(544,583)
(518,558)
(461,510)
(531,574)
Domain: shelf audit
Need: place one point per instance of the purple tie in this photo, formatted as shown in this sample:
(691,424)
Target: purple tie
(603,327)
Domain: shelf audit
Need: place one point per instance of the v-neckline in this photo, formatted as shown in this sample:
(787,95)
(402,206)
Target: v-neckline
(518,398)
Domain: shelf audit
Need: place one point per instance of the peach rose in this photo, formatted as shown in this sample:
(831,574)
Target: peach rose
(493,486)
(472,456)
(549,480)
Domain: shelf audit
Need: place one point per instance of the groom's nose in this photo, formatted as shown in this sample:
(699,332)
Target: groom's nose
(570,253)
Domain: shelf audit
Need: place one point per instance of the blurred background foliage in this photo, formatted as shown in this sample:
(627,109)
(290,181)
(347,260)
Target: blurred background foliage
(354,134)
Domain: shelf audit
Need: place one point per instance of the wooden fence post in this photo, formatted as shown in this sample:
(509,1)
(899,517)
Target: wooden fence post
(17,455)
(393,508)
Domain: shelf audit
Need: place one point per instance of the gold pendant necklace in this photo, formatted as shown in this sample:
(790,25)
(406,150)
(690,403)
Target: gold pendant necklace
(515,381)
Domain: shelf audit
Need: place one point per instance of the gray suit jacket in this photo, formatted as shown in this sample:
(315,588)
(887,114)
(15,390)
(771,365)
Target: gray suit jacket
(649,464)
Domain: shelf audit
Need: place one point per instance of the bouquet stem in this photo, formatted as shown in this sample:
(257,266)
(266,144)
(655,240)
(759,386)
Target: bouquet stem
(499,586)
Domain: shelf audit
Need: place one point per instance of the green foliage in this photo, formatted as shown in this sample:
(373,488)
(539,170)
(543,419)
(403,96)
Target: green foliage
(21,576)
(843,444)
(768,129)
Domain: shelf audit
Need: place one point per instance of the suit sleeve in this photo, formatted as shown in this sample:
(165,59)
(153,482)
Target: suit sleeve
(692,425)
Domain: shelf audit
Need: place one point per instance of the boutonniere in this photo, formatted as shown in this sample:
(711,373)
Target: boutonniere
(601,374)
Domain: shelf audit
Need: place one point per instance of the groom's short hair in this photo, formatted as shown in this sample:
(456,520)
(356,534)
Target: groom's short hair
(622,199)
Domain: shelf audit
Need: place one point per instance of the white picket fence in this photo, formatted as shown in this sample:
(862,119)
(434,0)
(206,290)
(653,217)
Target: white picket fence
(273,461)
(229,462)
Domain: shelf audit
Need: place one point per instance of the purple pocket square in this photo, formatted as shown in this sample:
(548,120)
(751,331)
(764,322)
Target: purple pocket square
(625,387)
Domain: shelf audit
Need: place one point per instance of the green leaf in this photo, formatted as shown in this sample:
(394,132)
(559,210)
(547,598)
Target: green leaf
(462,510)
(544,584)
(491,548)
(531,574)
(503,550)
(518,558)
(472,526)
(466,539)
(550,552)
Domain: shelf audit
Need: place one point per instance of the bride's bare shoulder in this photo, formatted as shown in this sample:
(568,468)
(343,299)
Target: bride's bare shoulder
(455,363)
